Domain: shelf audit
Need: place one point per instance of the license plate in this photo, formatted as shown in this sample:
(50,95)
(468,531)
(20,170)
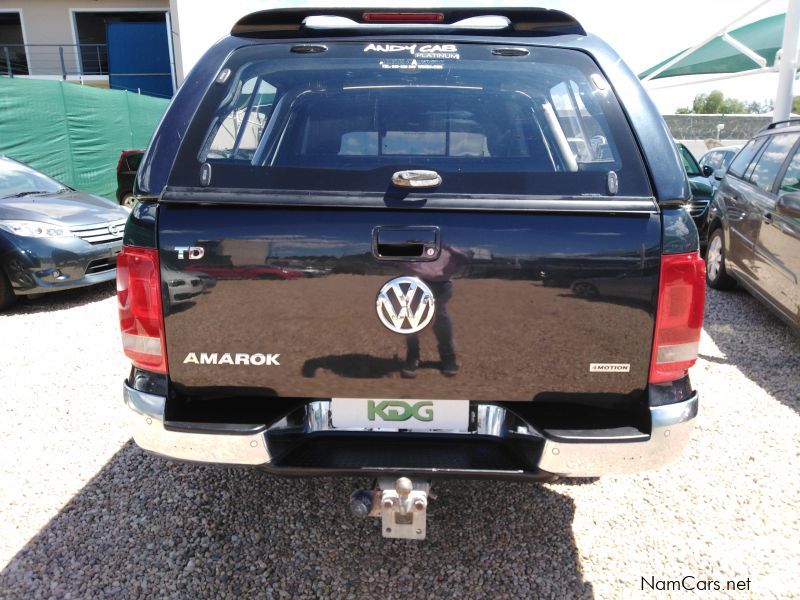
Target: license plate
(416,415)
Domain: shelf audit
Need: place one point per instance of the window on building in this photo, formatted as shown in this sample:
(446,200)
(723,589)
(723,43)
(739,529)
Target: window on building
(91,31)
(13,57)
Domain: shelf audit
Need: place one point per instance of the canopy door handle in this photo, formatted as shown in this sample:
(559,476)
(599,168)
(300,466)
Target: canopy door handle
(416,178)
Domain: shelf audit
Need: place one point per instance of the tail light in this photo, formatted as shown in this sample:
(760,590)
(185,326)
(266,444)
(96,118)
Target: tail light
(403,17)
(122,156)
(139,298)
(679,316)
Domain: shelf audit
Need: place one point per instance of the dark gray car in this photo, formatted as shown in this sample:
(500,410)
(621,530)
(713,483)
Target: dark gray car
(53,237)
(701,191)
(754,222)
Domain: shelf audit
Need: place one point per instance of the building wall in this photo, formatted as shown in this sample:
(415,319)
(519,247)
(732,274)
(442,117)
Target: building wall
(699,132)
(51,22)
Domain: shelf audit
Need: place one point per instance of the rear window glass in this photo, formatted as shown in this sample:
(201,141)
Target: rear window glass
(239,128)
(742,161)
(791,180)
(728,158)
(348,117)
(771,160)
(134,160)
(713,160)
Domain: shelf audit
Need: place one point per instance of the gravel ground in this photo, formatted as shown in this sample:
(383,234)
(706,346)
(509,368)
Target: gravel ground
(85,514)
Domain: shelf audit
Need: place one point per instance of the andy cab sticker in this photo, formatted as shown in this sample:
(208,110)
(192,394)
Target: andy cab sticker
(418,51)
(414,56)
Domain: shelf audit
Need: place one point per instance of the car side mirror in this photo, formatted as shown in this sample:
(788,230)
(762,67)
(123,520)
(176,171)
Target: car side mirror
(789,205)
(707,171)
(719,174)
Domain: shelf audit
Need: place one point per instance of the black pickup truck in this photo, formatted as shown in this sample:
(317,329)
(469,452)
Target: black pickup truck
(426,244)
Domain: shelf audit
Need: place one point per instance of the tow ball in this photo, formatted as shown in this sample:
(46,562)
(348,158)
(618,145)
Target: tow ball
(402,506)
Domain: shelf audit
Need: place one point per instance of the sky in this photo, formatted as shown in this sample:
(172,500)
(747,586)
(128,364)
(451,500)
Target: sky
(643,32)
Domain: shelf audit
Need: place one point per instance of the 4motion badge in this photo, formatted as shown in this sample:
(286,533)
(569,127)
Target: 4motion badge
(405,305)
(609,368)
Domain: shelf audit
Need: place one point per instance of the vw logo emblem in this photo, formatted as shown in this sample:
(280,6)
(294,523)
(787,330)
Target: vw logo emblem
(405,305)
(114,228)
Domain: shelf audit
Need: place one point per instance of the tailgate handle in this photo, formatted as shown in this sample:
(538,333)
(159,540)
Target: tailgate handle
(404,243)
(417,178)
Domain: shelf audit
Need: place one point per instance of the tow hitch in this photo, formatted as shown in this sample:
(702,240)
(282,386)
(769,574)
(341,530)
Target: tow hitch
(402,506)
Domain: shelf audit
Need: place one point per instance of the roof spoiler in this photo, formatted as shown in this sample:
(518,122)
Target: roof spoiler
(310,22)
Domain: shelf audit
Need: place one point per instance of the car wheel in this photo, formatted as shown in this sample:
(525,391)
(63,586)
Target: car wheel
(584,290)
(716,275)
(7,296)
(128,201)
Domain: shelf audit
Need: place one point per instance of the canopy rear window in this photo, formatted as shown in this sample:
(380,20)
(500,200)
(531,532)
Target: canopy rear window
(533,121)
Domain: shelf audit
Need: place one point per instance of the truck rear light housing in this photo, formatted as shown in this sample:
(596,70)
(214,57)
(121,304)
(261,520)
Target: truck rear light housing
(123,157)
(369,21)
(402,17)
(141,320)
(679,316)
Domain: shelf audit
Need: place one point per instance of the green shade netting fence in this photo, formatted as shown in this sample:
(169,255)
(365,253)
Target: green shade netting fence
(72,132)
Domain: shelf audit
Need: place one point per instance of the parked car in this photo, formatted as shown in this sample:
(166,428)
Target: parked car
(754,222)
(701,191)
(180,287)
(53,237)
(428,161)
(716,159)
(127,166)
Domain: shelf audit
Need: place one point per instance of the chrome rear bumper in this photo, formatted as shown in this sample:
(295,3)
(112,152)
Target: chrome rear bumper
(522,451)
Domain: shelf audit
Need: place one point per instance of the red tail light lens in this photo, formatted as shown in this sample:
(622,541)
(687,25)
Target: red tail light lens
(403,17)
(123,155)
(679,316)
(139,298)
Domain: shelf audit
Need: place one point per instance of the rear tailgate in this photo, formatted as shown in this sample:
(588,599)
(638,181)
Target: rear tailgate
(533,301)
(539,245)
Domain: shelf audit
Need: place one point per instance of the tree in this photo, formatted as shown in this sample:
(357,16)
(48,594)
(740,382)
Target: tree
(796,105)
(715,103)
(708,103)
(732,106)
(757,108)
